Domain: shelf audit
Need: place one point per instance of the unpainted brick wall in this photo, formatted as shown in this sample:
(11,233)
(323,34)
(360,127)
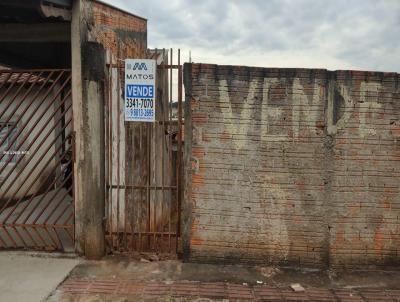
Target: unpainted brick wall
(291,166)
(124,34)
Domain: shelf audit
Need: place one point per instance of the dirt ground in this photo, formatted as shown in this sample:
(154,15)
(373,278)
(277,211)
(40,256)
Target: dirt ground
(154,279)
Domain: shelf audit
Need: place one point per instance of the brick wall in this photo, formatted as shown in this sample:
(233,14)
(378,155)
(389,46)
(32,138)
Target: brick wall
(124,34)
(291,166)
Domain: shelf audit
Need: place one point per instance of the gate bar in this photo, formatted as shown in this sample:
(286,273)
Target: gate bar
(170,146)
(8,90)
(34,111)
(179,151)
(37,135)
(16,94)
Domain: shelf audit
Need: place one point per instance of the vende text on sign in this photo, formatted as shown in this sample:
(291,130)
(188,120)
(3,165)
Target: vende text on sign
(140,94)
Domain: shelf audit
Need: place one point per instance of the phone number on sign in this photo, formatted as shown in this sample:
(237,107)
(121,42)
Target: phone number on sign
(146,113)
(139,103)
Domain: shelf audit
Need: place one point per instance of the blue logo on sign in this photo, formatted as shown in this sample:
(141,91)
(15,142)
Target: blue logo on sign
(140,91)
(141,66)
(137,66)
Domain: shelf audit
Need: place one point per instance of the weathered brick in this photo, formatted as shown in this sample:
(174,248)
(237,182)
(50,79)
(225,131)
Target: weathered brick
(294,165)
(122,33)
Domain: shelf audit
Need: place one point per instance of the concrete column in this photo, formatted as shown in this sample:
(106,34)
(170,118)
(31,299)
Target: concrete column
(88,74)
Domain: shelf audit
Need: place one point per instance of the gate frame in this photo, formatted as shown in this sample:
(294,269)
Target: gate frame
(60,84)
(179,160)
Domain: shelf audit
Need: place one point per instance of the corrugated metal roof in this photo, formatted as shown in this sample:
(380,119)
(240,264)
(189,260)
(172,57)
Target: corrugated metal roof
(35,10)
(64,3)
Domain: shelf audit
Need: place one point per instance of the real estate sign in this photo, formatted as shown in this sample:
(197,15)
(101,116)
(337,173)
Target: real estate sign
(140,91)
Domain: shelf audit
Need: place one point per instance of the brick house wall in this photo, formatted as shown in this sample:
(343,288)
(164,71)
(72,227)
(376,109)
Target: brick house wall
(122,33)
(291,166)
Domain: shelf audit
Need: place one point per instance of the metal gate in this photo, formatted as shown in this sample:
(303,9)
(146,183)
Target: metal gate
(144,164)
(36,187)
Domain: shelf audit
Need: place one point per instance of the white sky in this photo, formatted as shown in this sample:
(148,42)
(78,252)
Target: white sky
(339,34)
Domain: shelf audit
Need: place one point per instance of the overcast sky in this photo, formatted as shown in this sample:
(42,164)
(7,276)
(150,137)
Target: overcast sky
(335,34)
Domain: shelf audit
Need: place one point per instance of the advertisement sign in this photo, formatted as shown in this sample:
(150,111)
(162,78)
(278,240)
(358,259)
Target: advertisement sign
(140,91)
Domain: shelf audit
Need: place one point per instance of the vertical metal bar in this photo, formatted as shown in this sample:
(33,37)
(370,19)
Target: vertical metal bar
(125,193)
(111,163)
(155,191)
(139,204)
(106,147)
(73,173)
(154,151)
(148,143)
(170,176)
(134,195)
(179,151)
(162,200)
(134,201)
(118,148)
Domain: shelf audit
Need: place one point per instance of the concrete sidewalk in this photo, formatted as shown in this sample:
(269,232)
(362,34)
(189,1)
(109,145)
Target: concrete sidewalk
(31,277)
(122,279)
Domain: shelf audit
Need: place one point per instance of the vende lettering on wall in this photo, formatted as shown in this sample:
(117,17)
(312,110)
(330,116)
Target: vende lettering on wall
(140,75)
